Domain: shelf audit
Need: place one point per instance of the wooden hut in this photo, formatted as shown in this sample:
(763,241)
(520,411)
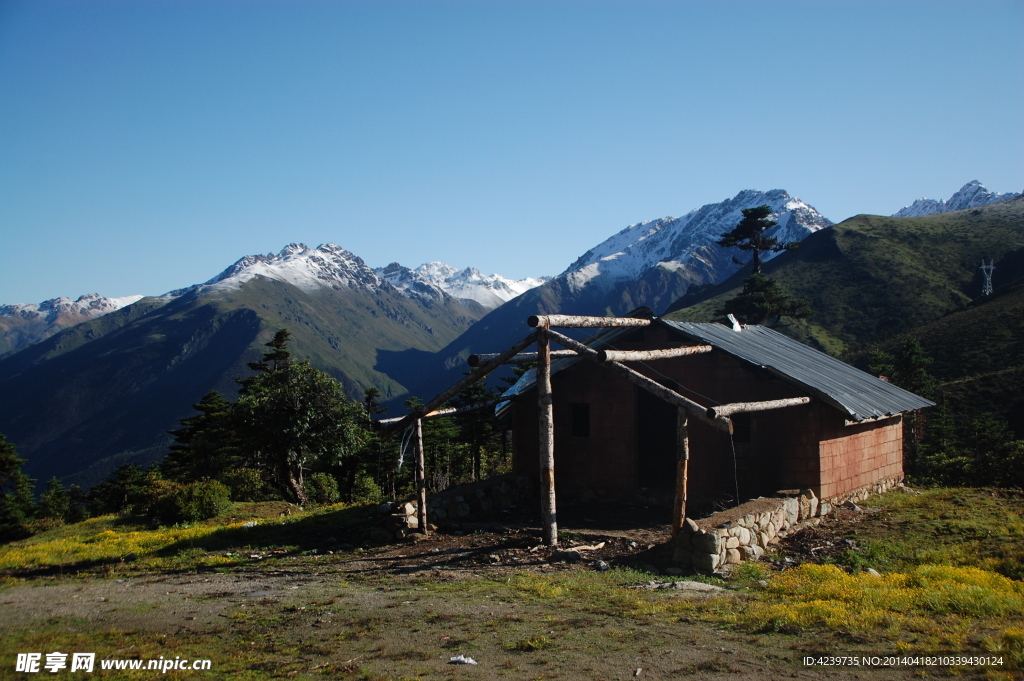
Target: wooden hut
(794,417)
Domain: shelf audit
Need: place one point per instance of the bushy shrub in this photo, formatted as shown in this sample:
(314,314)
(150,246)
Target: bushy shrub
(322,488)
(366,490)
(189,503)
(248,484)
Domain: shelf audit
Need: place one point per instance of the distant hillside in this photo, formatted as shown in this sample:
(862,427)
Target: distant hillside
(870,278)
(978,355)
(106,391)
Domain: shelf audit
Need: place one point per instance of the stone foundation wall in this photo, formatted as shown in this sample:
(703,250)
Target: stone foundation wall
(745,532)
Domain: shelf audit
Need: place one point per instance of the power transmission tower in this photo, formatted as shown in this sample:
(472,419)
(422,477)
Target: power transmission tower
(986,288)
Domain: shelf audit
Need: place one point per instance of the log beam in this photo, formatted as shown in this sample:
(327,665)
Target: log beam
(421,478)
(567,321)
(481,372)
(546,426)
(647,355)
(441,413)
(727,410)
(682,471)
(521,358)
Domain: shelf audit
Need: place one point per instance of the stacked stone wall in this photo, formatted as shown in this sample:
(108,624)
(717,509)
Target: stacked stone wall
(745,532)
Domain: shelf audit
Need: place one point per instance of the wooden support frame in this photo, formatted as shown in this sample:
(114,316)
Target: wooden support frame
(546,426)
(521,358)
(441,413)
(421,479)
(727,410)
(567,321)
(482,371)
(682,470)
(648,355)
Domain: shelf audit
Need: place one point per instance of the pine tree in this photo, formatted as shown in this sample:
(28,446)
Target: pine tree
(207,446)
(764,301)
(748,235)
(16,499)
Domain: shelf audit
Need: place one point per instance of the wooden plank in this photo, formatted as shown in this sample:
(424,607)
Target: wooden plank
(546,426)
(567,321)
(484,369)
(647,355)
(421,478)
(521,358)
(727,410)
(682,471)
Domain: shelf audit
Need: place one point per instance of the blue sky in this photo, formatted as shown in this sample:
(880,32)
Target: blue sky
(147,145)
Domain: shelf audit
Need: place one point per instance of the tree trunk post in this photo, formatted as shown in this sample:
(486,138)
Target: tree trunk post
(547,438)
(682,470)
(421,478)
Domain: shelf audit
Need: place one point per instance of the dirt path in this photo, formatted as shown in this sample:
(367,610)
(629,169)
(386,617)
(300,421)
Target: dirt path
(402,612)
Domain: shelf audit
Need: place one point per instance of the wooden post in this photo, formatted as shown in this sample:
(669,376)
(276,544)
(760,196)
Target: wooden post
(546,423)
(682,470)
(421,478)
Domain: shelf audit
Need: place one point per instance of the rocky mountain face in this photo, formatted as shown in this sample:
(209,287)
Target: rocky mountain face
(648,264)
(971,195)
(22,325)
(106,391)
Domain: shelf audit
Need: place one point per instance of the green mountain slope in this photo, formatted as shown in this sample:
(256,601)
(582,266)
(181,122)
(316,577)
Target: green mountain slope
(107,391)
(978,355)
(870,277)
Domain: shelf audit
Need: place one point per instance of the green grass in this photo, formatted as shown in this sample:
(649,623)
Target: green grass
(111,543)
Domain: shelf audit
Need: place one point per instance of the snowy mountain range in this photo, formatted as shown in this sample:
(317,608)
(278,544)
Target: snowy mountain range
(490,291)
(28,323)
(331,266)
(971,195)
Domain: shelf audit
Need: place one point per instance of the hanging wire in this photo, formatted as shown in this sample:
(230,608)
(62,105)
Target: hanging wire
(735,475)
(406,438)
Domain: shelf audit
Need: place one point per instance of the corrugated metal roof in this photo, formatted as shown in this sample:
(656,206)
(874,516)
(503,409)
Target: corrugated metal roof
(859,394)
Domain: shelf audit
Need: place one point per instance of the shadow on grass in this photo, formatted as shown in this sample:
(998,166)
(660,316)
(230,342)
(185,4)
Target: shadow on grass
(322,531)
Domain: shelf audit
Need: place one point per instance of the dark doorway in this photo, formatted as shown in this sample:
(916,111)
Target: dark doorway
(656,441)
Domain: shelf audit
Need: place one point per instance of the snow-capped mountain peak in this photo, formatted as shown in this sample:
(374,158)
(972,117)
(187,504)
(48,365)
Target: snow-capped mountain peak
(309,269)
(688,243)
(971,195)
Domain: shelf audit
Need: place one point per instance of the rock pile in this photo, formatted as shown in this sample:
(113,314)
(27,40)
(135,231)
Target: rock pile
(473,502)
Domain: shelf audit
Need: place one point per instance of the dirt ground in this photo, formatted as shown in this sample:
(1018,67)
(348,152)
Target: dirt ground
(402,611)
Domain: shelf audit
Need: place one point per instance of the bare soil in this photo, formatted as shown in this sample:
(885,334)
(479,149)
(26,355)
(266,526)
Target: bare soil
(402,611)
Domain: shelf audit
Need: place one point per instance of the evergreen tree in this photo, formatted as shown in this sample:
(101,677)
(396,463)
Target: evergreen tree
(207,446)
(277,357)
(16,499)
(128,490)
(55,502)
(763,301)
(748,235)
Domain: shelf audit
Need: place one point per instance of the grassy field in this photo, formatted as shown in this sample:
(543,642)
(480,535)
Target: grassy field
(265,602)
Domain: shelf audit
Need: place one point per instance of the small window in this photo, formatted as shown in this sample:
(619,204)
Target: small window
(580,420)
